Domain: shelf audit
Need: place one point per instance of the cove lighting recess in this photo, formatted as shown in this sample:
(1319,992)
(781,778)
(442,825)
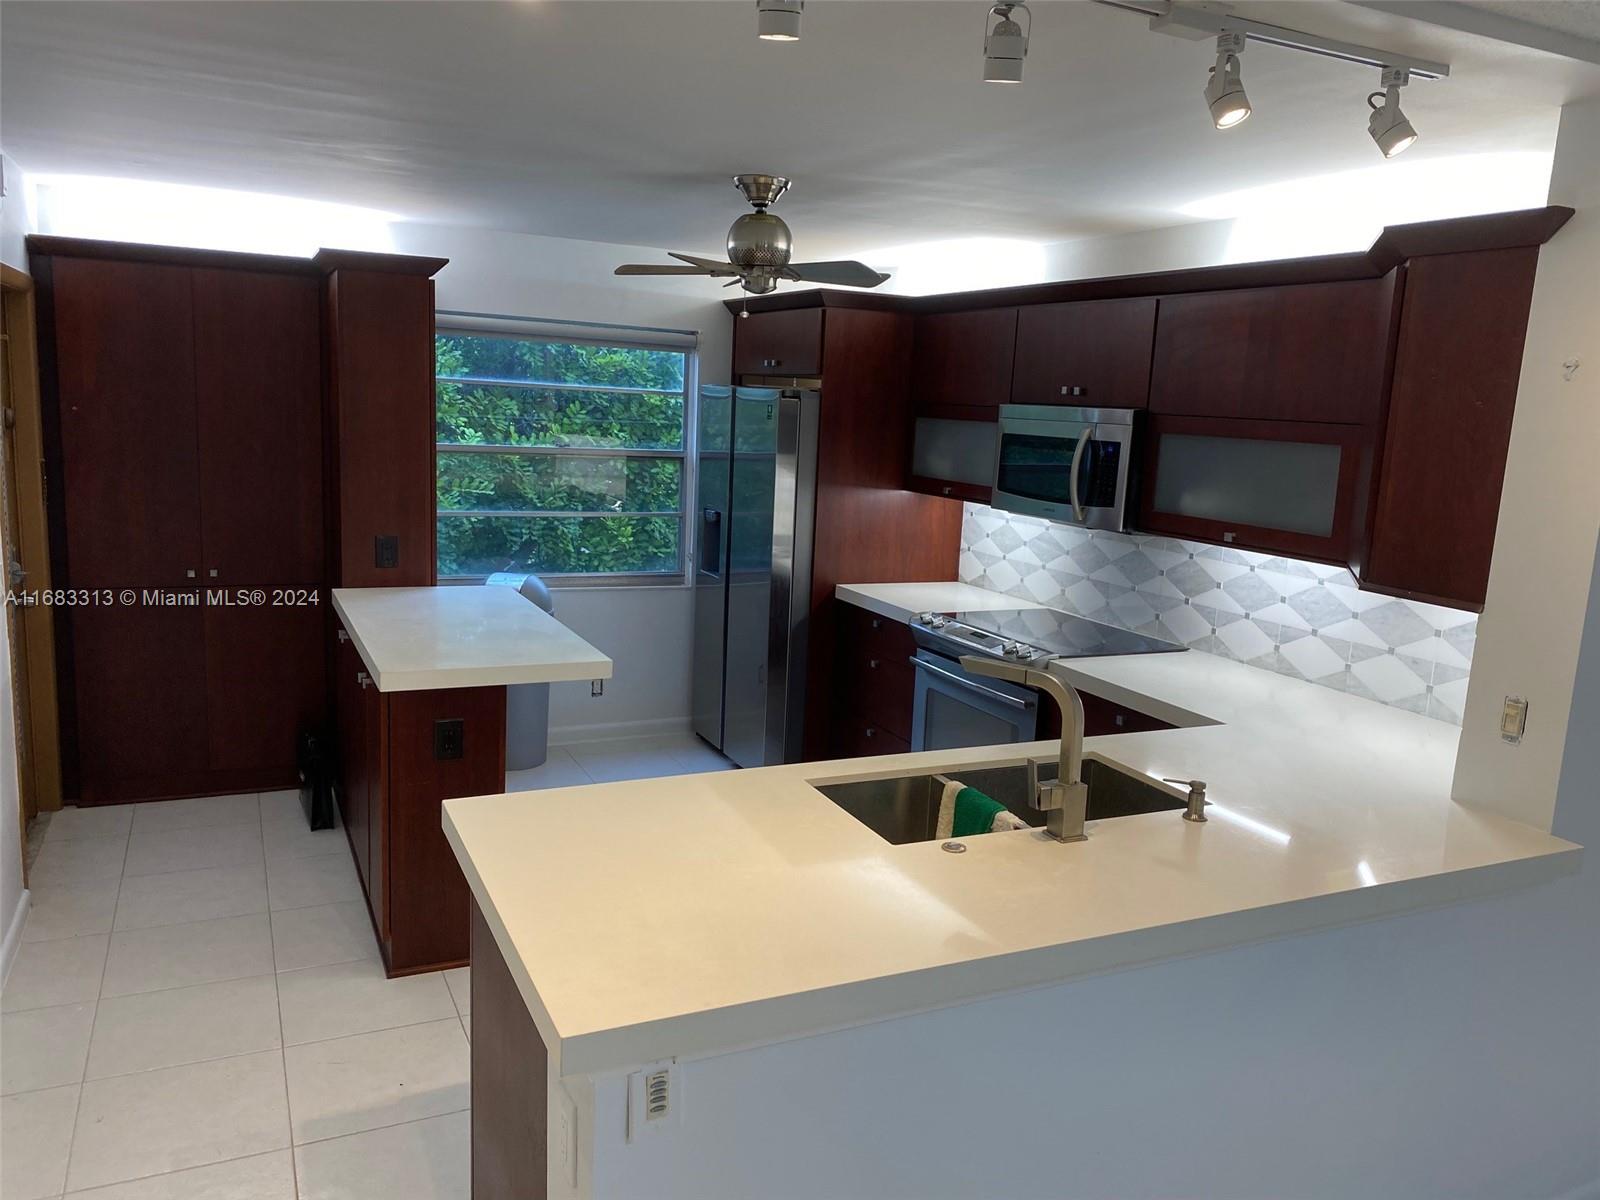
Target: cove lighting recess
(174,214)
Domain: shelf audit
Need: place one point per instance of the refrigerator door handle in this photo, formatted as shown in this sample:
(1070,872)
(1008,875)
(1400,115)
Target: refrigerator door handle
(711,543)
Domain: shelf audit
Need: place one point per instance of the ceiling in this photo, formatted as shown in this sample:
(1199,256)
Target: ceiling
(620,122)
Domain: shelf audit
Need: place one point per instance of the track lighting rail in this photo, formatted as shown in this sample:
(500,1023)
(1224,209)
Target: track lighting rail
(1187,20)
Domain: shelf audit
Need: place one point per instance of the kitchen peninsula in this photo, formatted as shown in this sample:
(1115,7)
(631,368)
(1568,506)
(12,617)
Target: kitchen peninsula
(722,916)
(420,686)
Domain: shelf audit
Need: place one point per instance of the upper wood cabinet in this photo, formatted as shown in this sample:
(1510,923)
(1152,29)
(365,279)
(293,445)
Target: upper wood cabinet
(129,467)
(381,421)
(786,342)
(1090,353)
(1306,352)
(961,362)
(258,378)
(1456,371)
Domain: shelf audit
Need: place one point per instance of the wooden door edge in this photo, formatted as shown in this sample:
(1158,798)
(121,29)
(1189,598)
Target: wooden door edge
(37,621)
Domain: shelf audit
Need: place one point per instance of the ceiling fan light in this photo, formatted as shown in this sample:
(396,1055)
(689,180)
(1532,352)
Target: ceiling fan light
(1387,125)
(778,20)
(1005,44)
(1224,90)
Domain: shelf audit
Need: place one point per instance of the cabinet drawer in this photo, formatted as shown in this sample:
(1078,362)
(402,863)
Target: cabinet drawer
(857,738)
(882,692)
(864,635)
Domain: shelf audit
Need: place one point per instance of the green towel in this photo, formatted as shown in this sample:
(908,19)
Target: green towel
(975,812)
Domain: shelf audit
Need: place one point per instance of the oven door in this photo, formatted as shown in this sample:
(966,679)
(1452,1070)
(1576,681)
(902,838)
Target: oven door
(954,708)
(1068,464)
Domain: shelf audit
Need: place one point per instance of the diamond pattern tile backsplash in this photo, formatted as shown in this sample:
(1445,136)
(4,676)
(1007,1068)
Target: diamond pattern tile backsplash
(1307,620)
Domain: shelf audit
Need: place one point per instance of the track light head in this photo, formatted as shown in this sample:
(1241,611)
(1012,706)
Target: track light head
(1224,90)
(1005,42)
(1387,125)
(778,20)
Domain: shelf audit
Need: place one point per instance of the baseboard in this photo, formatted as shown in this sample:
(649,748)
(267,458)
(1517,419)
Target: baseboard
(13,940)
(614,731)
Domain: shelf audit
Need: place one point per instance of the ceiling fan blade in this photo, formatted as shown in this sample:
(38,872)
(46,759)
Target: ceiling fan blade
(842,271)
(711,264)
(662,269)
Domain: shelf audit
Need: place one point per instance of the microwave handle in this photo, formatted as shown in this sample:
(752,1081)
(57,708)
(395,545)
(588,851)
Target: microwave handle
(1072,479)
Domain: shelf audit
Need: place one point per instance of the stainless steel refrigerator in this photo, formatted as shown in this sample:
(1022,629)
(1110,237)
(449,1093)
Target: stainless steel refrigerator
(757,462)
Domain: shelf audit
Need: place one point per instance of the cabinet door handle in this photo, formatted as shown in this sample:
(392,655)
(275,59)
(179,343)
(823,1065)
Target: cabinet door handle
(871,732)
(189,573)
(342,636)
(873,663)
(212,573)
(1074,390)
(363,678)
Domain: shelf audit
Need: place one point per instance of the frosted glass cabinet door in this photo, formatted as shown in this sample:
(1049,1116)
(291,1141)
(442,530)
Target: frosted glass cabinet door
(1272,485)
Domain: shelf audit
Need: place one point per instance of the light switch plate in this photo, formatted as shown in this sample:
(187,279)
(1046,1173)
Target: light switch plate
(1513,719)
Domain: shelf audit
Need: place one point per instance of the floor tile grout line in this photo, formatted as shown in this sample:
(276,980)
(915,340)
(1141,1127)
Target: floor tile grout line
(118,1183)
(380,1128)
(83,1077)
(277,1000)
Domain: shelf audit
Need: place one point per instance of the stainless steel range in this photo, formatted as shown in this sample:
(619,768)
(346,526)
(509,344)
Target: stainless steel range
(955,707)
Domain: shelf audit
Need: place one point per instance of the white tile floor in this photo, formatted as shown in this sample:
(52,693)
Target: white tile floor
(198,1009)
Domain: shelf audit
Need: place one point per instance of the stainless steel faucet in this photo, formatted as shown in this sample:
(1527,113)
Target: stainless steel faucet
(1065,799)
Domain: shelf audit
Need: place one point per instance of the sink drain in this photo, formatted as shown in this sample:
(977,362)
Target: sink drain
(953,847)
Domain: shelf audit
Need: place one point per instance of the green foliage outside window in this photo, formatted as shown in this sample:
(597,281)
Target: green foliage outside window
(507,501)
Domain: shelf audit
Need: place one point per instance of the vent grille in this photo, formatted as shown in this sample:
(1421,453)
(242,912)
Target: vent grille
(657,1094)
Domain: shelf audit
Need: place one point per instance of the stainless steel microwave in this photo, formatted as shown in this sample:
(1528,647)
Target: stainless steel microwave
(1073,465)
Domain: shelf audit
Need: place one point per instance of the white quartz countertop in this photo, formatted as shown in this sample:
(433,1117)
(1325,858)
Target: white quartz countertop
(706,913)
(420,638)
(902,601)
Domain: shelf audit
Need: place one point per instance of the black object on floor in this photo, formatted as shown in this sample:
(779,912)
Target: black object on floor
(316,779)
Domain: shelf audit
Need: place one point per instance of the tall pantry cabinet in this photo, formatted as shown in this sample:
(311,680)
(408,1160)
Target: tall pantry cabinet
(191,524)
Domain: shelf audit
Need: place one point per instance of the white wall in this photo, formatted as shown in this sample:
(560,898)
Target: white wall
(1539,580)
(13,900)
(645,630)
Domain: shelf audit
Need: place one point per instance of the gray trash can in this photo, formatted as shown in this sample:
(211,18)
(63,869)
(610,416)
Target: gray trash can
(528,704)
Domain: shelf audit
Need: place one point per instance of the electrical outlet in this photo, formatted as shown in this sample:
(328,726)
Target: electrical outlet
(449,738)
(386,550)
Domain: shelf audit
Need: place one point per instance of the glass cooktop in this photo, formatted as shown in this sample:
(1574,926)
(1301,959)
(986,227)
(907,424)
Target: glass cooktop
(1058,634)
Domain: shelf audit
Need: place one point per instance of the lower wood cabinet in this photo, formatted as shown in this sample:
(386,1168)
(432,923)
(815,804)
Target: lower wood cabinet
(183,694)
(875,682)
(391,782)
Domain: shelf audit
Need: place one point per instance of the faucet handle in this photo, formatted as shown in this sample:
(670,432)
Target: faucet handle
(1197,797)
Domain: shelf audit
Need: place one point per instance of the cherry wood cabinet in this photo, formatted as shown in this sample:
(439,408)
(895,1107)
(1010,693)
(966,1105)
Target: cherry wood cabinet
(138,691)
(961,363)
(1457,366)
(185,419)
(257,363)
(1308,352)
(1289,487)
(876,685)
(121,339)
(380,419)
(786,342)
(510,1088)
(390,784)
(1090,353)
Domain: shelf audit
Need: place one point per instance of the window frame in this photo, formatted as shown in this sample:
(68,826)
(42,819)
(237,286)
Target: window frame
(566,333)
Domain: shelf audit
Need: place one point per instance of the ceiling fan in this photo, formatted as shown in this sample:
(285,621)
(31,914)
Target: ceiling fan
(759,245)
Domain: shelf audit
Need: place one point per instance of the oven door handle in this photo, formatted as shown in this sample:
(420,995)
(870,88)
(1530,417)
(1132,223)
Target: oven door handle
(1072,479)
(923,664)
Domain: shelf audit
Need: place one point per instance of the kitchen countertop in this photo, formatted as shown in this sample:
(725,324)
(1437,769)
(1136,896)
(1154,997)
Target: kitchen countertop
(708,913)
(421,638)
(902,601)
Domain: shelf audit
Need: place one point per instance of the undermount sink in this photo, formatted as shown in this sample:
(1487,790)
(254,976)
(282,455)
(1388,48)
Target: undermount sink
(905,808)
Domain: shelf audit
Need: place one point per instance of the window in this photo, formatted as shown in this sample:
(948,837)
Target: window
(559,458)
